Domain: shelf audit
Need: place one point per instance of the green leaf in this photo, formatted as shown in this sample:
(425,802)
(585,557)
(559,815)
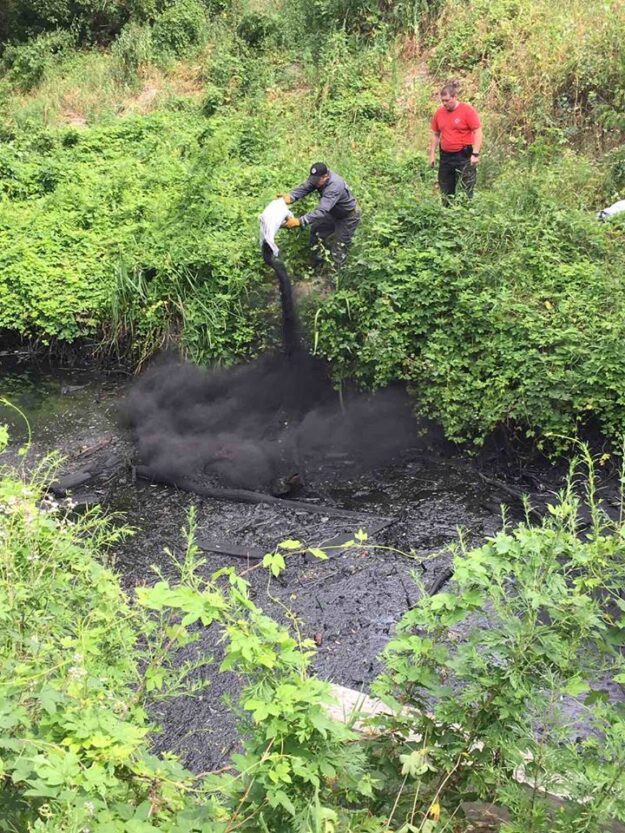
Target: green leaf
(280,798)
(415,763)
(576,686)
(137,826)
(49,697)
(275,562)
(318,553)
(290,544)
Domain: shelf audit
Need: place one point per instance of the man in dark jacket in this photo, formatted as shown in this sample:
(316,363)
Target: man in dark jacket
(334,220)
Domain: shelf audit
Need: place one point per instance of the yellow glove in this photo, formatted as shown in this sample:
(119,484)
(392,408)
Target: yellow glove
(286,197)
(291,222)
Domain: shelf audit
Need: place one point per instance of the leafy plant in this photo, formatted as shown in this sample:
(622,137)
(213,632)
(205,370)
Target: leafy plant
(27,63)
(535,63)
(486,677)
(82,662)
(180,26)
(141,232)
(133,49)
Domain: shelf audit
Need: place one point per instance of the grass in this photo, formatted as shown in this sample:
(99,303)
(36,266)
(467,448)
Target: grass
(87,88)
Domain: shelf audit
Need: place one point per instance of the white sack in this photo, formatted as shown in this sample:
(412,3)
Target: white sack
(612,210)
(270,221)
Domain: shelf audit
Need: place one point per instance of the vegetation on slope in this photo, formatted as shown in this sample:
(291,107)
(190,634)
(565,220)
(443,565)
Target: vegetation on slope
(131,183)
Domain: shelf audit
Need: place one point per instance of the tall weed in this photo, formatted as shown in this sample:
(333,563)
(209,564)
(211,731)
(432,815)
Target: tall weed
(179,27)
(133,50)
(491,677)
(538,64)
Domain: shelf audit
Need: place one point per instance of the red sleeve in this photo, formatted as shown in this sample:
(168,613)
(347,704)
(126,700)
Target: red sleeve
(434,124)
(472,118)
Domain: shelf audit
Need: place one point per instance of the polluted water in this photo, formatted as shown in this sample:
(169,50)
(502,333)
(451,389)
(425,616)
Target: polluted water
(263,424)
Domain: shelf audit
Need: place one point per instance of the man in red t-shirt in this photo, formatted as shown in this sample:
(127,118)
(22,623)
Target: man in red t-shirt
(457,129)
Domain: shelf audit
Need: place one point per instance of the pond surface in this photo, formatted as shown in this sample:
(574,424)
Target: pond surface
(348,604)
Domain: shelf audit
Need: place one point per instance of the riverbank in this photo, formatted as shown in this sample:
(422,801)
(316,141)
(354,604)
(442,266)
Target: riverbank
(140,230)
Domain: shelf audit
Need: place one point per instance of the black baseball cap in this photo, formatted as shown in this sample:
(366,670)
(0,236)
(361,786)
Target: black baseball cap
(318,169)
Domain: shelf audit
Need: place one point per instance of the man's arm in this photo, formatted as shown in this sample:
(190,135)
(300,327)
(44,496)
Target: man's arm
(302,190)
(327,202)
(434,143)
(477,145)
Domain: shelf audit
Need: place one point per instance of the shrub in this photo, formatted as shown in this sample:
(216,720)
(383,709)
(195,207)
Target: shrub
(483,684)
(259,29)
(212,100)
(507,310)
(179,27)
(27,63)
(228,68)
(91,21)
(133,50)
(529,635)
(494,313)
(362,18)
(73,697)
(615,175)
(82,661)
(88,20)
(536,62)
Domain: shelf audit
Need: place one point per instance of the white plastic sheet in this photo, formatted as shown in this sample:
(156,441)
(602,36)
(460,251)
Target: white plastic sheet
(270,221)
(612,210)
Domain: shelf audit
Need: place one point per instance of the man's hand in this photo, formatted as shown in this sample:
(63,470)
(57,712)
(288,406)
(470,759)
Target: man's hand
(291,222)
(286,197)
(432,160)
(475,159)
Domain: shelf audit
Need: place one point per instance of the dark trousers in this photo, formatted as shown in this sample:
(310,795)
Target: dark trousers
(454,169)
(336,234)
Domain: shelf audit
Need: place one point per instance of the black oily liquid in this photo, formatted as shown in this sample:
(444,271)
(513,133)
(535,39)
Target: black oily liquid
(290,339)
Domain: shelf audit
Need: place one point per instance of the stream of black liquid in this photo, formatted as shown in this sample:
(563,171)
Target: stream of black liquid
(290,337)
(260,426)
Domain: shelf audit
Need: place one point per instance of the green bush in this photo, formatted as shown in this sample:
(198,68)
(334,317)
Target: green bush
(27,63)
(362,18)
(472,34)
(507,311)
(490,675)
(228,68)
(133,50)
(259,29)
(537,63)
(212,100)
(615,175)
(82,662)
(89,20)
(179,27)
(144,230)
(73,697)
